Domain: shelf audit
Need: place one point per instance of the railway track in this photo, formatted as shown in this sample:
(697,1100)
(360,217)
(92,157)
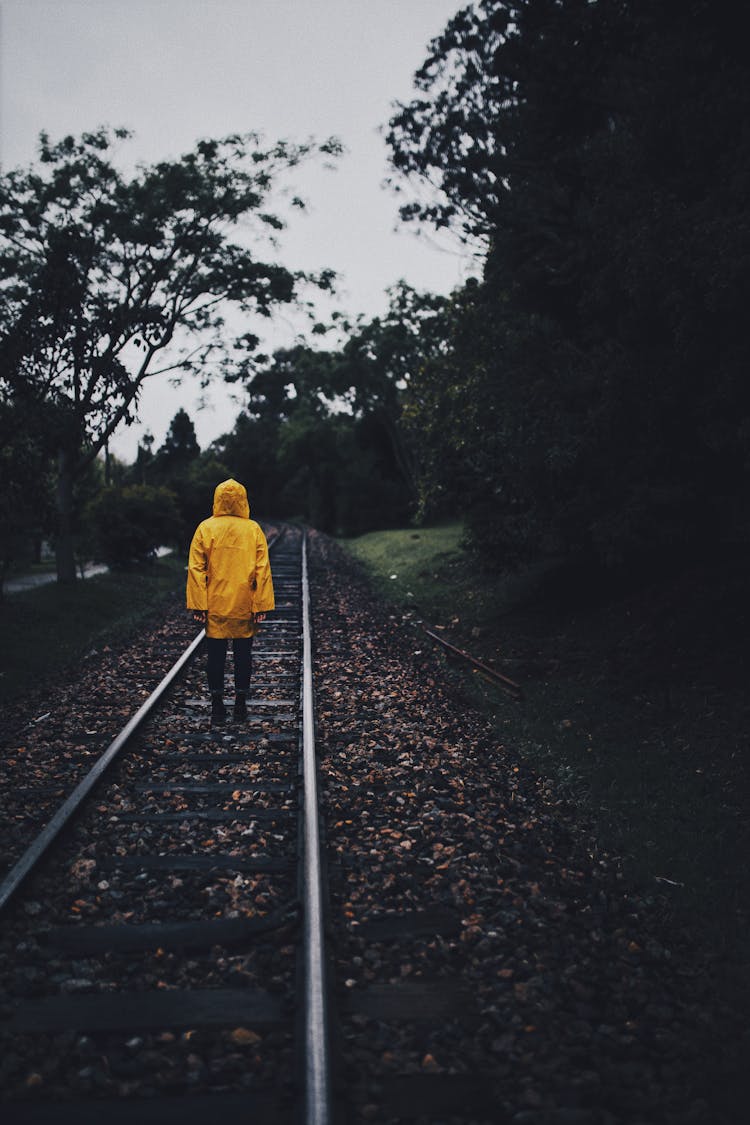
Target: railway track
(441,944)
(150,939)
(166,927)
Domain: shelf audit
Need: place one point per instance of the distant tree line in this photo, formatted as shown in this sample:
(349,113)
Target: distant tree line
(322,438)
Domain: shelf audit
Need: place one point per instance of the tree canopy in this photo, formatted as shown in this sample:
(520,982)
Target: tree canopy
(107,280)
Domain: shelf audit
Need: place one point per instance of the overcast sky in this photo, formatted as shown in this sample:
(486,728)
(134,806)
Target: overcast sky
(174,71)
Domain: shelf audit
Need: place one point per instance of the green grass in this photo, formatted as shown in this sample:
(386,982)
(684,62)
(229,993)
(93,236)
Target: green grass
(402,561)
(429,571)
(638,712)
(47,629)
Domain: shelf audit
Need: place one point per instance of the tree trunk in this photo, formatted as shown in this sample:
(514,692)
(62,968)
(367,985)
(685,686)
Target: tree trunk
(64,546)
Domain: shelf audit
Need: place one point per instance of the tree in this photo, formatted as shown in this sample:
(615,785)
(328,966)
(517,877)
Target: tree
(600,153)
(447,138)
(250,453)
(106,280)
(322,434)
(317,419)
(377,363)
(144,461)
(195,491)
(180,446)
(445,411)
(172,466)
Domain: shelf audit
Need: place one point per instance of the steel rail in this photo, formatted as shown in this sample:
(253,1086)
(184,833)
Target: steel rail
(497,677)
(52,829)
(317,1064)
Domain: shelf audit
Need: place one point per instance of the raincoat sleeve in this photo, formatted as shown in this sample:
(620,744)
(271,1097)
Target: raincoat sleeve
(197,577)
(263,599)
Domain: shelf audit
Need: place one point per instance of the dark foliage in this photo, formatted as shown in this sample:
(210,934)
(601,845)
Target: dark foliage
(602,153)
(128,524)
(324,434)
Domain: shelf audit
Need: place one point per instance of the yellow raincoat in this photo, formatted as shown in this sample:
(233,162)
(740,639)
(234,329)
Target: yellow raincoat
(229,574)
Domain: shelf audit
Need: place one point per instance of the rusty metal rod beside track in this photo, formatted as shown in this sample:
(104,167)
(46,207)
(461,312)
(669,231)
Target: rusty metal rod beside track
(504,681)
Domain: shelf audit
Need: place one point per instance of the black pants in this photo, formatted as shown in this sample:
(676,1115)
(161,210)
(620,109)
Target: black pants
(216,652)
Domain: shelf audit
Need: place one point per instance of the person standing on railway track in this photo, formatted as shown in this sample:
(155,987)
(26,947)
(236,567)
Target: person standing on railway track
(229,590)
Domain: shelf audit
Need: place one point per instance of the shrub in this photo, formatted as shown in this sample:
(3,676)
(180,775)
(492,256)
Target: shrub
(128,524)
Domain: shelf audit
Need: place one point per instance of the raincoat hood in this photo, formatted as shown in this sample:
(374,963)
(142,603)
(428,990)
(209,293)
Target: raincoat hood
(230,499)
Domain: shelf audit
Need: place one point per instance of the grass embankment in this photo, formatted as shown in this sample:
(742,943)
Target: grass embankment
(635,703)
(47,629)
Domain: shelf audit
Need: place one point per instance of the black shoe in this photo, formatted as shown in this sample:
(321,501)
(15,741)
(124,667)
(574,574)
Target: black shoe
(240,707)
(218,711)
